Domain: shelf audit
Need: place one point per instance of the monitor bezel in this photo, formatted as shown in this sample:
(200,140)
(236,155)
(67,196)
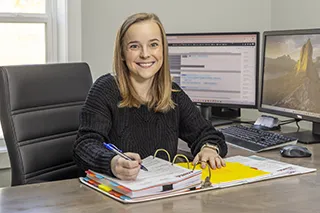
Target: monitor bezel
(257,34)
(274,111)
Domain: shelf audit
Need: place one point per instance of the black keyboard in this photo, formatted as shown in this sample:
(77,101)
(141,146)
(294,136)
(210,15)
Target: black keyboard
(254,139)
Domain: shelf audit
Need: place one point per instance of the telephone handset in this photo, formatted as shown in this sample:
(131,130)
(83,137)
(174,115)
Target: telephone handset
(266,122)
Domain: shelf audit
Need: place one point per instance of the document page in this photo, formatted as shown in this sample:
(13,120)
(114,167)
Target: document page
(160,172)
(260,163)
(276,168)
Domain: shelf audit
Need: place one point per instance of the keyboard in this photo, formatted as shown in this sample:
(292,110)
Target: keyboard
(255,139)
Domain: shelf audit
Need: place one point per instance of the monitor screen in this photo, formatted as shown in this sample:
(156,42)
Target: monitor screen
(291,74)
(219,69)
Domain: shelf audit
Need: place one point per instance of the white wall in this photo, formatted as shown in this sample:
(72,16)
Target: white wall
(101,20)
(74,35)
(295,14)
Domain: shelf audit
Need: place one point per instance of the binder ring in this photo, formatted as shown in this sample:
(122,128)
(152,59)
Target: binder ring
(206,182)
(180,155)
(156,152)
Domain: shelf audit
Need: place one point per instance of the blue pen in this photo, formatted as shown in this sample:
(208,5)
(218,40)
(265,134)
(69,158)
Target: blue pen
(116,150)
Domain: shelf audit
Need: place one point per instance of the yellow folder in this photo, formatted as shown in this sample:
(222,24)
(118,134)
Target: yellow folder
(231,172)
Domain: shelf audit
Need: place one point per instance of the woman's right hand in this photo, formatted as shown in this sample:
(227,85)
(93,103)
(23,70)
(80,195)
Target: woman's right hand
(125,169)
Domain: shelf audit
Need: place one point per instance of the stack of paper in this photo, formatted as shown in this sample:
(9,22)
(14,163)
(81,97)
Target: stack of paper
(161,177)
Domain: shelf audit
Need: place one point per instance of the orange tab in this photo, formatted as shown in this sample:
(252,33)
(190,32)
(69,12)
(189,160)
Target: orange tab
(116,194)
(124,188)
(93,182)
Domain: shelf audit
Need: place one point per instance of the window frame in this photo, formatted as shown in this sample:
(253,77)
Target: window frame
(49,18)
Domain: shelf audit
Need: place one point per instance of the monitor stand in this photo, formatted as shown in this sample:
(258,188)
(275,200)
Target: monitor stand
(220,122)
(219,115)
(307,137)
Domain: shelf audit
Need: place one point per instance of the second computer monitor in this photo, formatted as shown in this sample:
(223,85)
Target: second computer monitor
(291,77)
(216,69)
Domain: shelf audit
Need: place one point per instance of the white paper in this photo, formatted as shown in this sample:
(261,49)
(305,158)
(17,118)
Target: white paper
(276,168)
(159,172)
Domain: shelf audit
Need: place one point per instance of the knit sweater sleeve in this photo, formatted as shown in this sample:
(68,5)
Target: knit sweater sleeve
(194,129)
(95,123)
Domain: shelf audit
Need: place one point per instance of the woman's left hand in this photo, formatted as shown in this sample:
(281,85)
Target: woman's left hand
(211,156)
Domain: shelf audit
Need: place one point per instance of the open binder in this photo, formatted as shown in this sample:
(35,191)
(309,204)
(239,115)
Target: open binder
(239,170)
(162,177)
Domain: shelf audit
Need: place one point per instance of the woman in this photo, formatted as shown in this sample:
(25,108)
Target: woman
(139,109)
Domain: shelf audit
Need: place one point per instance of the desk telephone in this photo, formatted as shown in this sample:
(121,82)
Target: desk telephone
(266,122)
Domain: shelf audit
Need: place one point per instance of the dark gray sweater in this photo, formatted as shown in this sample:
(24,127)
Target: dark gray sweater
(137,130)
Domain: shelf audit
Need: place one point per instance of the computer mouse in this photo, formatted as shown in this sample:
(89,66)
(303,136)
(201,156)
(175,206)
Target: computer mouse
(294,151)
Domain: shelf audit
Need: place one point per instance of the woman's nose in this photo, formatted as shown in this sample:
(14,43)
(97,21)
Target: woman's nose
(144,53)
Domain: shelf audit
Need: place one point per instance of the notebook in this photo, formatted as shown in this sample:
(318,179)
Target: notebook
(162,176)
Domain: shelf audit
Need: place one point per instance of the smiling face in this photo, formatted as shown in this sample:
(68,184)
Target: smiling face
(143,50)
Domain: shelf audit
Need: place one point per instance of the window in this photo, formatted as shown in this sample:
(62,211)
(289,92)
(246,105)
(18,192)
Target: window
(28,32)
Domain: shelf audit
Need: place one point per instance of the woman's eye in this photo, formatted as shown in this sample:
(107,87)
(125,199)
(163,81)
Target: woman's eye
(154,44)
(133,46)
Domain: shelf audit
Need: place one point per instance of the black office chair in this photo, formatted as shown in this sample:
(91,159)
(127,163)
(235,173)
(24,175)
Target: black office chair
(39,112)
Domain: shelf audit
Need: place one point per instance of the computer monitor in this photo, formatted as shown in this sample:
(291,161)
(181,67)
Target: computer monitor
(218,71)
(290,77)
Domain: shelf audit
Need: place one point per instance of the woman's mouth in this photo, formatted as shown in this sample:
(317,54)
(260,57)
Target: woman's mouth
(145,64)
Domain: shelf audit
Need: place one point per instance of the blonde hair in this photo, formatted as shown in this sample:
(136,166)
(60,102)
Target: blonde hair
(161,88)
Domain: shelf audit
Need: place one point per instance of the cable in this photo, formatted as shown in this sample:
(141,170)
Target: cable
(297,123)
(287,122)
(296,120)
(292,120)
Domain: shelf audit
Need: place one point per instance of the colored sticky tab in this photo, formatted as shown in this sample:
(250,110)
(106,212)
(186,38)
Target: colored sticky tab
(93,182)
(104,188)
(113,183)
(123,197)
(124,188)
(86,179)
(99,176)
(89,172)
(116,194)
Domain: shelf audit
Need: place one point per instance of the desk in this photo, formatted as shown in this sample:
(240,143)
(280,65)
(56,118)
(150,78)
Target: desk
(294,194)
